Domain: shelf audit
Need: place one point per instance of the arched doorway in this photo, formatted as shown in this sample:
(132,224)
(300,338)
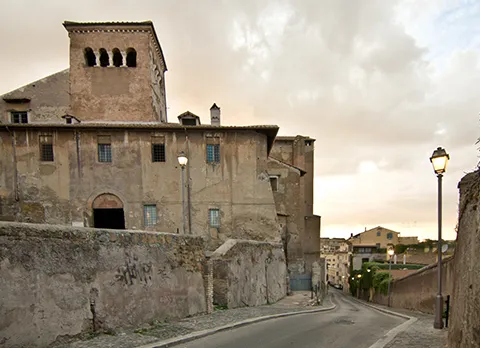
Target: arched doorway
(108,212)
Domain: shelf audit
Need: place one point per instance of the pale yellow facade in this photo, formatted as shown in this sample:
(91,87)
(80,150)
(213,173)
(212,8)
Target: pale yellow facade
(379,236)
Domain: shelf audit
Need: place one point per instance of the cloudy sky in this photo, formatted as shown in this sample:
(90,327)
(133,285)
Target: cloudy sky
(379,84)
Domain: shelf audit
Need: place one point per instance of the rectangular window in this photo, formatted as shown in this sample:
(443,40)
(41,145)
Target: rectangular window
(214,217)
(150,214)
(379,233)
(274,183)
(104,148)
(213,153)
(19,116)
(158,151)
(46,148)
(389,235)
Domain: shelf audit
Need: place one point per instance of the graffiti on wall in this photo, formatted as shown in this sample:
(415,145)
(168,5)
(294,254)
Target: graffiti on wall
(134,271)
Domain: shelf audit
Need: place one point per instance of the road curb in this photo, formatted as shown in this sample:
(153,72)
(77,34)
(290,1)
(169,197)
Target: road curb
(204,333)
(390,335)
(404,316)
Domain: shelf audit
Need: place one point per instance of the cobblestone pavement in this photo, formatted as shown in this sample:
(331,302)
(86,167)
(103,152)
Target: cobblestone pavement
(420,334)
(158,331)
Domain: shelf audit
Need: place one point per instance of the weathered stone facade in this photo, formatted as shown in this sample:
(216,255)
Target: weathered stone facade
(117,93)
(59,280)
(63,191)
(464,326)
(248,273)
(291,169)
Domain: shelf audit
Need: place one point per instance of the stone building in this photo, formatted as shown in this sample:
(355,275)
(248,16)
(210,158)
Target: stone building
(91,146)
(291,171)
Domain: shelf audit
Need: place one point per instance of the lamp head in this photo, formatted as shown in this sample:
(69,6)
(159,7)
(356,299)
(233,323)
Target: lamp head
(182,159)
(439,160)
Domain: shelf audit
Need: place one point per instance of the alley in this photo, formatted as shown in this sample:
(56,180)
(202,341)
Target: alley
(349,325)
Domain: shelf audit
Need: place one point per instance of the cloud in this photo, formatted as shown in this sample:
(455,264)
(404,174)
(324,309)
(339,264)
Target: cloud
(379,84)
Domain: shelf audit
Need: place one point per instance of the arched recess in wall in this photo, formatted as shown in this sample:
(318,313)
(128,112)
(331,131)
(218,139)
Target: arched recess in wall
(90,59)
(117,57)
(131,57)
(108,212)
(104,60)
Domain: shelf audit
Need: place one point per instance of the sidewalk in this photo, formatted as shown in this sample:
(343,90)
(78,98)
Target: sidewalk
(420,334)
(160,331)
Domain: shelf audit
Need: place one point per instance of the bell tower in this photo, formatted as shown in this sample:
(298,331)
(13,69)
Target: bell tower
(117,72)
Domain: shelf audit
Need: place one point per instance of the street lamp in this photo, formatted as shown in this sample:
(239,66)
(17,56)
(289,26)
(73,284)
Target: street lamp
(439,161)
(390,252)
(182,160)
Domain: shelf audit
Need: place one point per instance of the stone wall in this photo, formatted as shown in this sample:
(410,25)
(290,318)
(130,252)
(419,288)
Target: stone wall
(417,291)
(62,281)
(248,273)
(464,326)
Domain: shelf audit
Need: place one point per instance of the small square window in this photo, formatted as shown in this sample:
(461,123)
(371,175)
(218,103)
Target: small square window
(19,116)
(379,234)
(213,153)
(104,149)
(150,215)
(274,183)
(46,148)
(214,217)
(158,153)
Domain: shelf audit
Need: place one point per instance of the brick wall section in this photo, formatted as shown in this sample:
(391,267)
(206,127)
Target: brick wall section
(464,326)
(248,273)
(417,290)
(61,281)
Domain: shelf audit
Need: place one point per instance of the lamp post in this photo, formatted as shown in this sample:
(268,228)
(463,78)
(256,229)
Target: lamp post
(182,160)
(359,276)
(439,161)
(390,252)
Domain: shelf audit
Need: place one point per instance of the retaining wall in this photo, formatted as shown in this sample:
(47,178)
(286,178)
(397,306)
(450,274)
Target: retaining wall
(59,280)
(248,273)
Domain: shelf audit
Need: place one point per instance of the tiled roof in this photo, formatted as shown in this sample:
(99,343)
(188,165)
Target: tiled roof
(302,172)
(292,138)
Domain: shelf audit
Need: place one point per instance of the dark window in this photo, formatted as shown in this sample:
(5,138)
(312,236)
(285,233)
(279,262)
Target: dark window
(274,183)
(117,57)
(90,59)
(68,120)
(389,235)
(104,60)
(213,153)
(46,148)
(214,217)
(131,57)
(189,122)
(104,149)
(19,117)
(158,153)
(379,233)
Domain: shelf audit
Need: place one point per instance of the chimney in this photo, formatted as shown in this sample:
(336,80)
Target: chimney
(215,115)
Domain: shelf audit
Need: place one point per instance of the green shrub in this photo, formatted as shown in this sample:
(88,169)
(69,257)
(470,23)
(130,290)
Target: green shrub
(380,282)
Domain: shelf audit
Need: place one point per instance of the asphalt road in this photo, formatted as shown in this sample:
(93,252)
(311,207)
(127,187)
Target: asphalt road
(350,325)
